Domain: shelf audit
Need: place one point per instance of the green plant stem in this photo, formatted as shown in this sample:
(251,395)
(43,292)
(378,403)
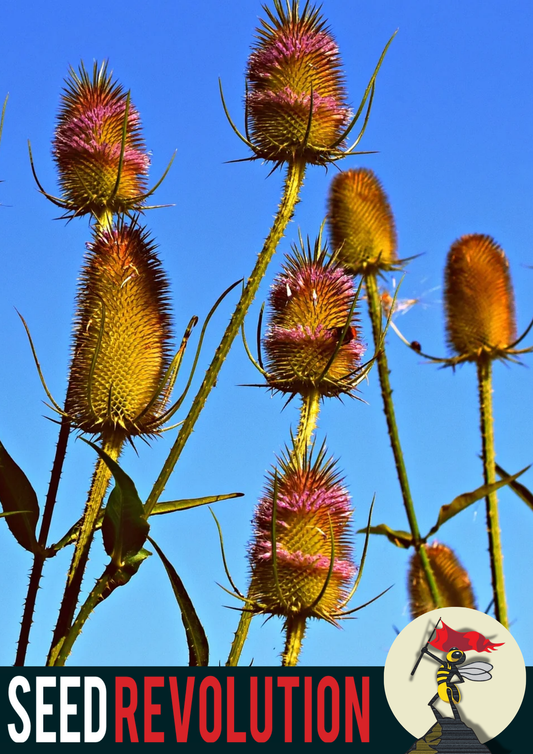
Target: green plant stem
(295,630)
(90,603)
(309,411)
(38,561)
(293,183)
(484,373)
(374,308)
(111,445)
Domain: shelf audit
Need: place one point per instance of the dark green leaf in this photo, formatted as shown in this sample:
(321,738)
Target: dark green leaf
(18,496)
(196,638)
(120,575)
(522,492)
(124,527)
(396,536)
(463,501)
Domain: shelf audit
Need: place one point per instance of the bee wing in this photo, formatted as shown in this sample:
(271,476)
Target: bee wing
(476,671)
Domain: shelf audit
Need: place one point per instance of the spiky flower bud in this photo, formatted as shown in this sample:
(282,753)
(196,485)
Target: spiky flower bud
(480,313)
(311,573)
(122,340)
(98,145)
(361,222)
(296,100)
(452,580)
(311,326)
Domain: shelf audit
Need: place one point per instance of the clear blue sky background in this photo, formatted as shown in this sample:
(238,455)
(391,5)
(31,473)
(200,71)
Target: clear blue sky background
(452,122)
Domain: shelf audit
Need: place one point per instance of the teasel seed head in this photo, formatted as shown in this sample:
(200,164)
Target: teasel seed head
(296,99)
(452,581)
(480,311)
(98,146)
(312,324)
(312,570)
(361,223)
(123,336)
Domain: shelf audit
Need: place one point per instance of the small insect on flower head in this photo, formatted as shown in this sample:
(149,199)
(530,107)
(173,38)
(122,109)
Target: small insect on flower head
(98,146)
(312,340)
(480,312)
(296,100)
(361,223)
(301,561)
(123,336)
(453,582)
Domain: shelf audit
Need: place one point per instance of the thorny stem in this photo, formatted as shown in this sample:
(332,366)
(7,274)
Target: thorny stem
(293,183)
(111,445)
(295,630)
(38,561)
(374,308)
(308,420)
(484,372)
(90,603)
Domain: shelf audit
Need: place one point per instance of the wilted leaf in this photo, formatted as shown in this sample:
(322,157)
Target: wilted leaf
(522,491)
(463,501)
(396,536)
(196,638)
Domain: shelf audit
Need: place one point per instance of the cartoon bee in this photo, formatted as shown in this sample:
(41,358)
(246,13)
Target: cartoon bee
(448,691)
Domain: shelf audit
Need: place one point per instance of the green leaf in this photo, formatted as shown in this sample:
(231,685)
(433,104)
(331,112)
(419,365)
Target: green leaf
(522,492)
(124,527)
(463,501)
(193,502)
(396,536)
(18,496)
(120,575)
(196,638)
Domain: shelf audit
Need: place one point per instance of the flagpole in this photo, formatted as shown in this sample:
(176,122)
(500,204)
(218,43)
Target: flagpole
(425,647)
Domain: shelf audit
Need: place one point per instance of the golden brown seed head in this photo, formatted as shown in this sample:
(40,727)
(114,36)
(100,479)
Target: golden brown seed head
(452,580)
(122,337)
(361,222)
(480,312)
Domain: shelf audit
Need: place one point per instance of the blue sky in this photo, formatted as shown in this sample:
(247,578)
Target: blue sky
(452,124)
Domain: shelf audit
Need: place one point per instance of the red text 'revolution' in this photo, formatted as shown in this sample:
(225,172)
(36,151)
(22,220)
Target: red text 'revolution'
(285,708)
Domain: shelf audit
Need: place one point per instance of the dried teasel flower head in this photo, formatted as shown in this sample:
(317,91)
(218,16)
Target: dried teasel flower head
(98,146)
(452,580)
(296,99)
(308,573)
(119,377)
(361,223)
(312,341)
(480,312)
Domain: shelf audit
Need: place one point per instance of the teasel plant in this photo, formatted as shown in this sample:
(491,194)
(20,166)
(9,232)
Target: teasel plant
(312,350)
(481,328)
(363,235)
(296,114)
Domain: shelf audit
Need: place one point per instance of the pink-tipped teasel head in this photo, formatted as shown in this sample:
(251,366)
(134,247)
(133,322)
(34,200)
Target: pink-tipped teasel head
(313,569)
(296,99)
(312,325)
(98,146)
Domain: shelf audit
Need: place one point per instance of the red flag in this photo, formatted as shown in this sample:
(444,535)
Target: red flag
(447,638)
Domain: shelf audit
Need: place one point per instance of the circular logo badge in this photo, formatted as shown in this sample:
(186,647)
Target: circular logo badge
(453,671)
